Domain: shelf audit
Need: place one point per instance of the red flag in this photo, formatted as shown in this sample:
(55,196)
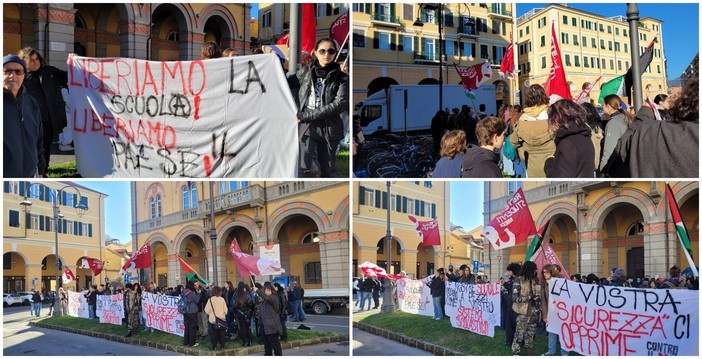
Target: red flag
(140,259)
(339,29)
(473,76)
(507,65)
(94,264)
(586,91)
(370,269)
(284,40)
(428,231)
(248,265)
(309,28)
(546,255)
(654,108)
(67,276)
(512,225)
(556,83)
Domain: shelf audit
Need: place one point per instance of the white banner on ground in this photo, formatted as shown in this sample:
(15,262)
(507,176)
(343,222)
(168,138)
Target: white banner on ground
(414,296)
(161,312)
(474,307)
(77,305)
(226,117)
(603,321)
(110,308)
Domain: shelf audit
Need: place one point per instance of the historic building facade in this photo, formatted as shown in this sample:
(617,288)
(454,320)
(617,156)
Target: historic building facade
(309,220)
(274,20)
(136,30)
(425,200)
(599,225)
(29,250)
(591,46)
(388,47)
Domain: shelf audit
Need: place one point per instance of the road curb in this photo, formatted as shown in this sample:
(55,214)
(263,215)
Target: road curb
(192,351)
(409,341)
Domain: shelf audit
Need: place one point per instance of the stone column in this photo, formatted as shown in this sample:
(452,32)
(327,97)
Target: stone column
(53,32)
(189,49)
(367,254)
(591,252)
(246,35)
(660,248)
(334,256)
(32,271)
(408,260)
(134,40)
(173,270)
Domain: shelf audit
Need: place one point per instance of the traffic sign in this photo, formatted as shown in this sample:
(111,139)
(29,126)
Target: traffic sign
(476,265)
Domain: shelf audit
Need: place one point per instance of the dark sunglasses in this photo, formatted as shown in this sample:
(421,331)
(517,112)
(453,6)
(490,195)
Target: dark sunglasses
(17,72)
(325,51)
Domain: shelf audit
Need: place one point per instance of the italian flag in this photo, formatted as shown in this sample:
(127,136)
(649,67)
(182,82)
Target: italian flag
(614,86)
(190,273)
(680,228)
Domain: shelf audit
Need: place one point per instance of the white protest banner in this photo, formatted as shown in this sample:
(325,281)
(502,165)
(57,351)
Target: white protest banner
(110,308)
(226,117)
(603,320)
(473,307)
(77,305)
(414,296)
(161,312)
(271,253)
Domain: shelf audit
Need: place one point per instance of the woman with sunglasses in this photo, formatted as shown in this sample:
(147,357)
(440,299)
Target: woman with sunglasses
(322,96)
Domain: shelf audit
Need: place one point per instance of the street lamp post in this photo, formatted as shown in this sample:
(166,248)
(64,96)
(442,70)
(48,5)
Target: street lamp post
(213,235)
(632,17)
(80,210)
(437,7)
(388,301)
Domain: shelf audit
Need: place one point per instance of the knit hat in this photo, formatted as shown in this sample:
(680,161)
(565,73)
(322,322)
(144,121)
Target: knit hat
(14,58)
(619,273)
(463,267)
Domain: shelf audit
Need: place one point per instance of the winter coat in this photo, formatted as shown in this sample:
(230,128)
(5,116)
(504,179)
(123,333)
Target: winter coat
(367,285)
(469,279)
(479,162)
(438,287)
(23,136)
(614,130)
(45,86)
(270,317)
(246,309)
(283,304)
(92,297)
(216,307)
(533,139)
(575,155)
(660,149)
(448,167)
(523,295)
(192,298)
(323,122)
(469,128)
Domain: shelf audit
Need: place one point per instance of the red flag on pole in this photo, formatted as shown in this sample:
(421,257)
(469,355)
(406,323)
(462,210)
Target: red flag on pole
(546,255)
(556,84)
(339,29)
(140,259)
(586,91)
(370,269)
(309,28)
(248,264)
(507,65)
(654,108)
(284,40)
(473,76)
(94,264)
(428,231)
(512,225)
(67,276)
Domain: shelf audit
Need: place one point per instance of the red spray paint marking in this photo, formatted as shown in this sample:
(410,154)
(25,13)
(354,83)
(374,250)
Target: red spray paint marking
(197,107)
(208,165)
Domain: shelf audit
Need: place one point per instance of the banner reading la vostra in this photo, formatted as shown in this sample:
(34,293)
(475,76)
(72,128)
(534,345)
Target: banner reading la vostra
(226,117)
(602,320)
(473,307)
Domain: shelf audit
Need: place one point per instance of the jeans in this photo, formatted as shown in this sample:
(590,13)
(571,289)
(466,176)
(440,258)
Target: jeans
(301,310)
(552,341)
(91,311)
(438,310)
(297,311)
(36,308)
(365,296)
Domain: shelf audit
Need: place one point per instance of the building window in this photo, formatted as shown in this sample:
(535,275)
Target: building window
(173,36)
(565,19)
(602,44)
(527,30)
(616,31)
(383,41)
(449,48)
(370,197)
(617,46)
(193,195)
(543,62)
(84,231)
(567,60)
(564,38)
(359,38)
(636,229)
(577,61)
(152,206)
(593,43)
(520,33)
(14,219)
(601,28)
(407,43)
(429,48)
(611,64)
(427,210)
(543,40)
(427,184)
(610,45)
(659,68)
(575,40)
(468,49)
(393,202)
(586,63)
(266,20)
(625,33)
(584,41)
(69,227)
(313,273)
(604,64)
(626,47)
(484,51)
(619,65)
(186,197)
(310,238)
(574,22)
(410,206)
(609,29)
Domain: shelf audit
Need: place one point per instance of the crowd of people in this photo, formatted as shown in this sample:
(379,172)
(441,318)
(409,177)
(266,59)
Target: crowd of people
(565,139)
(34,108)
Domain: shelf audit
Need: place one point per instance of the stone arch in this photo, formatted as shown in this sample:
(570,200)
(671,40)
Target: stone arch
(428,81)
(564,208)
(231,30)
(609,201)
(397,239)
(21,255)
(380,83)
(184,233)
(160,237)
(356,240)
(184,19)
(227,225)
(308,209)
(340,215)
(682,192)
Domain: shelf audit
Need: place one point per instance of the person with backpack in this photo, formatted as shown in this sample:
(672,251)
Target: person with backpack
(190,316)
(675,281)
(242,308)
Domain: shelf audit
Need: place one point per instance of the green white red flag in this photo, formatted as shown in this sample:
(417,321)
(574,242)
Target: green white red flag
(681,230)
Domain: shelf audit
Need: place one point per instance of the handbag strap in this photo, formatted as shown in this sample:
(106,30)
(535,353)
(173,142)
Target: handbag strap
(213,310)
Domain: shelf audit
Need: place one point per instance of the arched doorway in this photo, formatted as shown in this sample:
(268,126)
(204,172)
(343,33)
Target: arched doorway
(14,272)
(299,239)
(395,259)
(159,268)
(245,241)
(193,252)
(48,275)
(217,31)
(428,81)
(85,274)
(689,211)
(623,239)
(380,83)
(169,33)
(425,261)
(561,237)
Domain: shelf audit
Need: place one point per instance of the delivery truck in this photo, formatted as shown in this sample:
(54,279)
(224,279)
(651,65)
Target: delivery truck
(410,108)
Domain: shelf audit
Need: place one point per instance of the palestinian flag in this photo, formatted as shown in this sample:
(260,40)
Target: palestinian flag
(614,86)
(680,228)
(536,241)
(190,273)
(644,62)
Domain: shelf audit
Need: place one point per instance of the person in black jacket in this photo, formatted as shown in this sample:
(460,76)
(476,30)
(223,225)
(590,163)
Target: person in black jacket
(92,301)
(481,162)
(575,153)
(269,319)
(376,292)
(439,125)
(367,291)
(506,295)
(438,289)
(323,94)
(241,308)
(280,291)
(23,135)
(44,83)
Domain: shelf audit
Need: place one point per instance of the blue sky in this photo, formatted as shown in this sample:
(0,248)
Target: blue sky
(254,11)
(680,27)
(118,214)
(467,204)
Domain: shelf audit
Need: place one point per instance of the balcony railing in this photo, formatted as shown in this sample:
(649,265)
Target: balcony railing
(296,188)
(168,220)
(385,18)
(422,57)
(496,10)
(248,197)
(466,30)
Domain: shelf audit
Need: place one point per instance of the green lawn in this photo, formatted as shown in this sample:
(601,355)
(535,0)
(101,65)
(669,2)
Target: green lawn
(63,170)
(442,333)
(342,163)
(162,337)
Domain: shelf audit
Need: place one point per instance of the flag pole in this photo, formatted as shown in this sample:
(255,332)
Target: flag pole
(338,53)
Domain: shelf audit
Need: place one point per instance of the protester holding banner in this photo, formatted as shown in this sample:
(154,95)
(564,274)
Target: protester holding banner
(92,297)
(323,94)
(531,136)
(525,297)
(270,320)
(575,154)
(216,308)
(438,290)
(549,271)
(132,304)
